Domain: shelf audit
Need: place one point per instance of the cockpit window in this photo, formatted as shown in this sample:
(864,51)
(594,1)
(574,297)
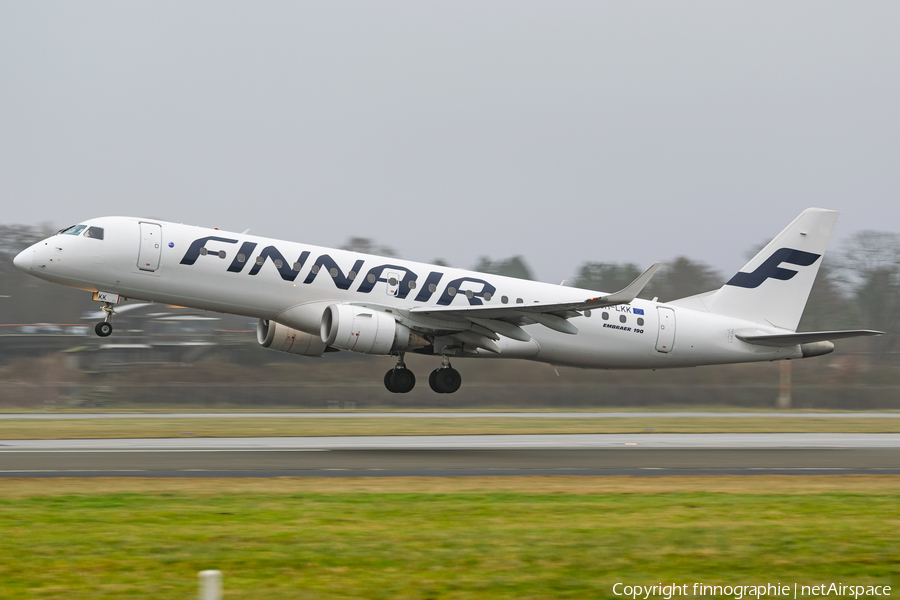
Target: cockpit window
(94,232)
(73,230)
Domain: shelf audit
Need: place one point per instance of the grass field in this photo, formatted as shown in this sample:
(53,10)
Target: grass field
(15,429)
(517,537)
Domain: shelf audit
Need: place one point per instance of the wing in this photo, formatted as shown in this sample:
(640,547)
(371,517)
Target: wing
(623,296)
(480,325)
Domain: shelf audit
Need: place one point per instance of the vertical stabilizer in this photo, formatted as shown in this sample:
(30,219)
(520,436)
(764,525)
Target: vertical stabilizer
(772,289)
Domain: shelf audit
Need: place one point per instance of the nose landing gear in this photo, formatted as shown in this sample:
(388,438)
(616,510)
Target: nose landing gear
(400,380)
(105,328)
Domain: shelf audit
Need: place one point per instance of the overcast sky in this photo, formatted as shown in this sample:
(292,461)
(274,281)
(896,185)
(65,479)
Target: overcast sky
(562,131)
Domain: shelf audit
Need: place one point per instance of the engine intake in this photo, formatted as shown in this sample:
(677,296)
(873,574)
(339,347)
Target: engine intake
(275,336)
(365,330)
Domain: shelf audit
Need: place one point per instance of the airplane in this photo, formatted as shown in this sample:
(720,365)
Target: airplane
(310,300)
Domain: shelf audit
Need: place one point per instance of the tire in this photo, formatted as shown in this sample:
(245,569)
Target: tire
(403,380)
(432,382)
(389,381)
(103,329)
(447,381)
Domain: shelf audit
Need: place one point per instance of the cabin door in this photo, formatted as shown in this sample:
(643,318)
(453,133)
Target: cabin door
(151,247)
(665,340)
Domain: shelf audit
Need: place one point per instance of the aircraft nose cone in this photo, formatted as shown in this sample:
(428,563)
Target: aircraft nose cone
(23,259)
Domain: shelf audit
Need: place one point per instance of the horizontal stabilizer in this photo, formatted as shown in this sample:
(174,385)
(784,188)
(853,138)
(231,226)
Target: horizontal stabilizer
(781,340)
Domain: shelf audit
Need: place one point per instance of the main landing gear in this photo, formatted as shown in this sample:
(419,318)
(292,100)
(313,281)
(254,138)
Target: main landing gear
(443,380)
(104,328)
(399,380)
(446,379)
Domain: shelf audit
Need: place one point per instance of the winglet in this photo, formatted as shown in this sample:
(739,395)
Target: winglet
(630,292)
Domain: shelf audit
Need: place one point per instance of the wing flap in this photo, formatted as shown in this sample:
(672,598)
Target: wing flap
(502,327)
(476,339)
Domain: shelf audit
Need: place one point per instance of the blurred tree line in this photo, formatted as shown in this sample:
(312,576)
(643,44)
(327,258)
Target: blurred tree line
(858,285)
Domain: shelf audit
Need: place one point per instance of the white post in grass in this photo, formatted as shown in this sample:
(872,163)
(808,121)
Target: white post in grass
(210,585)
(784,388)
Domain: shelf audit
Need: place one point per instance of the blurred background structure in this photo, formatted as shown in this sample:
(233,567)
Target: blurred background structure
(164,356)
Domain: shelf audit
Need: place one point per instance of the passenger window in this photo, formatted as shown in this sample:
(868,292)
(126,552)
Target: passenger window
(74,230)
(504,299)
(605,316)
(94,232)
(622,319)
(640,322)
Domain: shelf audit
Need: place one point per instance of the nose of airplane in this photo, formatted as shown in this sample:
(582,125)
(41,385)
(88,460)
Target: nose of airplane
(23,259)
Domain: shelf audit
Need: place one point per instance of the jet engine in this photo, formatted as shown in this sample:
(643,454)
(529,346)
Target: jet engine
(365,330)
(816,349)
(275,336)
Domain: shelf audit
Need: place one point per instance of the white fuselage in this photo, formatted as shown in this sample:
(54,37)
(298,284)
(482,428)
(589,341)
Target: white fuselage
(216,270)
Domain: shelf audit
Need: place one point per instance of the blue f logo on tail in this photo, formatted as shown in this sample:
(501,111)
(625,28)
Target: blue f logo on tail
(770,269)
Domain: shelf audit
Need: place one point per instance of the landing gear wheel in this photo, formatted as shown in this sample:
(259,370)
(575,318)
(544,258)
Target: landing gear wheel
(403,380)
(431,383)
(105,328)
(400,380)
(445,381)
(388,381)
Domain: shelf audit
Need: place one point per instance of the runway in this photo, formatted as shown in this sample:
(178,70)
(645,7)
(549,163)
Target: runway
(454,456)
(480,442)
(454,415)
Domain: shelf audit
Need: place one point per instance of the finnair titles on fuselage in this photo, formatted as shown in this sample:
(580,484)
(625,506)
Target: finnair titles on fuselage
(310,300)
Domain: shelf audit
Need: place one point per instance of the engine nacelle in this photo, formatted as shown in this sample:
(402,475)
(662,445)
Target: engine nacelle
(365,330)
(275,336)
(816,349)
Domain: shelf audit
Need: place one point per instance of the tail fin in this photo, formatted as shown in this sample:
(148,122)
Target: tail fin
(773,287)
